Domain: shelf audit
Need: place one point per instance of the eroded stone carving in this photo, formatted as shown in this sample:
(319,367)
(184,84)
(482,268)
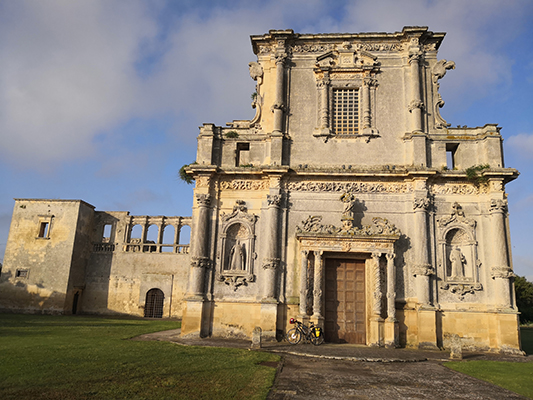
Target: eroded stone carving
(379,226)
(462,289)
(353,187)
(456,188)
(502,272)
(244,185)
(438,71)
(422,270)
(498,206)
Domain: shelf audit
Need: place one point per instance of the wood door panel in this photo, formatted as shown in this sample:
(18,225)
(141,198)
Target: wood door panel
(345,301)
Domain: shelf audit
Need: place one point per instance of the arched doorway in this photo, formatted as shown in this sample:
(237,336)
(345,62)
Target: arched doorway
(153,307)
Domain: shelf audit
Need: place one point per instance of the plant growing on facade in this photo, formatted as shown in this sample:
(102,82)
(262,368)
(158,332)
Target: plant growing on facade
(473,174)
(232,134)
(184,176)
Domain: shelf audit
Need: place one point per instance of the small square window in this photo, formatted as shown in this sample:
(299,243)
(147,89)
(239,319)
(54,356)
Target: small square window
(21,273)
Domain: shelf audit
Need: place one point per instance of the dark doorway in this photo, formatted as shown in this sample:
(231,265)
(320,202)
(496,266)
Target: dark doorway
(75,302)
(154,304)
(345,320)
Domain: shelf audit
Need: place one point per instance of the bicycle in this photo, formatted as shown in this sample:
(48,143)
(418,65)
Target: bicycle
(311,333)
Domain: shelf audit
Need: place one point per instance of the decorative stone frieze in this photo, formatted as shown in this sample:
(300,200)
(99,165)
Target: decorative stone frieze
(271,263)
(200,262)
(457,188)
(352,187)
(244,184)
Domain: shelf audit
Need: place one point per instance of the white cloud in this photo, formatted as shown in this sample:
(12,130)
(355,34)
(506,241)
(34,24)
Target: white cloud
(522,144)
(66,72)
(69,70)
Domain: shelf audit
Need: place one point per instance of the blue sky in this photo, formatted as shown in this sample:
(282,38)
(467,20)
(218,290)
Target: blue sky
(101,100)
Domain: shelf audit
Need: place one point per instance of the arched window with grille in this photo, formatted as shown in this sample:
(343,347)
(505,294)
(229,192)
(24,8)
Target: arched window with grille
(153,307)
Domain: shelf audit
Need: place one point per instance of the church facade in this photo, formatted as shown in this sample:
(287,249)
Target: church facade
(347,201)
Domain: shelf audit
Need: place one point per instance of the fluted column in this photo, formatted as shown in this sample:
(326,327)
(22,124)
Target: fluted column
(318,284)
(199,247)
(422,269)
(500,270)
(271,260)
(303,283)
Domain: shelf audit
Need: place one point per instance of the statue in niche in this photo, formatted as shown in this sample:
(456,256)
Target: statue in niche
(237,257)
(457,260)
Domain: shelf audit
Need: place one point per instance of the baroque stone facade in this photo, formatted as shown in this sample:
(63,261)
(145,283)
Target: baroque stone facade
(347,201)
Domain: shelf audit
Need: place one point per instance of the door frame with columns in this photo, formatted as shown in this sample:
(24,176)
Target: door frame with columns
(378,250)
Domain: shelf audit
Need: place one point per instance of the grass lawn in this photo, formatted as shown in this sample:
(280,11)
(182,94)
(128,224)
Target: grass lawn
(517,377)
(59,357)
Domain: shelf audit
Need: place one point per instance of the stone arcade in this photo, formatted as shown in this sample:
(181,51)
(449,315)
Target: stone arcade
(347,200)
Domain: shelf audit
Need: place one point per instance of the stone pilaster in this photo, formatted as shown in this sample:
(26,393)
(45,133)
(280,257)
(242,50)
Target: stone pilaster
(500,270)
(303,283)
(318,288)
(271,260)
(199,247)
(416,105)
(368,85)
(422,269)
(375,337)
(392,331)
(279,105)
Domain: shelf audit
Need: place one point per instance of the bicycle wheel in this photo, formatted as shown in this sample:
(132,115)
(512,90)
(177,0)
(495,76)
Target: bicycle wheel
(316,336)
(294,336)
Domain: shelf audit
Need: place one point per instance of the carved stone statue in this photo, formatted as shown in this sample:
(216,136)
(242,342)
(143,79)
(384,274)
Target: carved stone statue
(457,260)
(237,257)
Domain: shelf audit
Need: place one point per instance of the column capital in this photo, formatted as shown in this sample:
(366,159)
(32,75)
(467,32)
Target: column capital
(203,199)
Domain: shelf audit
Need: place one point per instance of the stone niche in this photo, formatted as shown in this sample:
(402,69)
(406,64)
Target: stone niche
(237,247)
(457,252)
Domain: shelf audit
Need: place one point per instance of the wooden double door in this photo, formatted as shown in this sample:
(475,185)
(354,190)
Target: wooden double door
(345,315)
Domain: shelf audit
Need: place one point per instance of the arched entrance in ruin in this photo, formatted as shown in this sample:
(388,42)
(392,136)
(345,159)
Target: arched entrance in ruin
(153,307)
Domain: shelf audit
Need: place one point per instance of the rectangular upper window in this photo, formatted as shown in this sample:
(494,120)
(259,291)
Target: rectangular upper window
(345,112)
(45,223)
